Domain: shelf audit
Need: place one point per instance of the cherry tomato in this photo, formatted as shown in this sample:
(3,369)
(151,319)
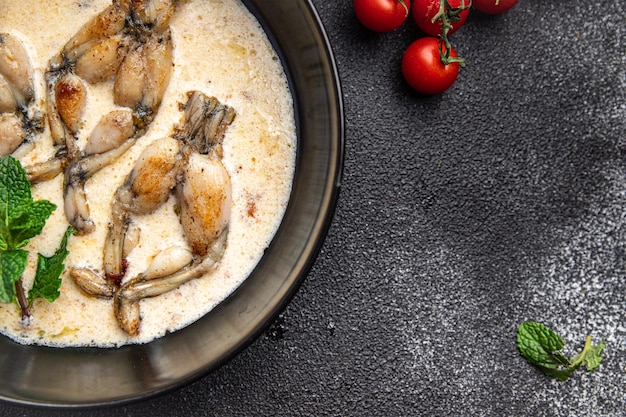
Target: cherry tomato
(493,6)
(425,10)
(382,15)
(422,67)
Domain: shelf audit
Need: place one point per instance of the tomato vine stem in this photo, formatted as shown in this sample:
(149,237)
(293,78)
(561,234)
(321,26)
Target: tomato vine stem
(448,15)
(406,8)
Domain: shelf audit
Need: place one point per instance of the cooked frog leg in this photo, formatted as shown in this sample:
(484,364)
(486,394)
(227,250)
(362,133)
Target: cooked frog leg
(107,23)
(146,188)
(126,299)
(12,133)
(109,140)
(16,68)
(190,163)
(129,40)
(155,14)
(158,52)
(20,121)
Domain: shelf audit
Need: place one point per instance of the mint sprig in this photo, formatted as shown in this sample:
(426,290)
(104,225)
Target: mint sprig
(49,269)
(22,218)
(541,347)
(12,266)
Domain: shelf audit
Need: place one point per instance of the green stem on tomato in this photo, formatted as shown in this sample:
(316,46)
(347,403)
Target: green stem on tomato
(448,14)
(406,8)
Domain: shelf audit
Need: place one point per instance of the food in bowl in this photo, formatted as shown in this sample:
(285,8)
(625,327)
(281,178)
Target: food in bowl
(190,56)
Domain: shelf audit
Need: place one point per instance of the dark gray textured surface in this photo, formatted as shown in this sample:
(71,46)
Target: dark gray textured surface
(460,216)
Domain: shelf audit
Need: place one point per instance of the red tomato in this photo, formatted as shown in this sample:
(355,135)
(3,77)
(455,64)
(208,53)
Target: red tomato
(493,6)
(422,67)
(382,15)
(425,10)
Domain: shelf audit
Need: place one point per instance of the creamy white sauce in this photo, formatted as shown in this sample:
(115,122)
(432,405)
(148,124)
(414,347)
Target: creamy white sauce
(221,50)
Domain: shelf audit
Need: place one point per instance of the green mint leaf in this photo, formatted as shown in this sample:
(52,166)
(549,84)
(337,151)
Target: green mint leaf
(15,188)
(21,218)
(559,374)
(49,269)
(12,266)
(540,345)
(591,356)
(594,357)
(14,194)
(29,222)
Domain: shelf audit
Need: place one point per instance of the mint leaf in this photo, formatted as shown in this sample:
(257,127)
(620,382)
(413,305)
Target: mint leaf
(538,344)
(559,374)
(29,222)
(12,266)
(21,218)
(49,269)
(541,347)
(14,185)
(591,356)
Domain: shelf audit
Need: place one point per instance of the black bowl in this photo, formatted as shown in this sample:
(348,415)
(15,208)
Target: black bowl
(90,377)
